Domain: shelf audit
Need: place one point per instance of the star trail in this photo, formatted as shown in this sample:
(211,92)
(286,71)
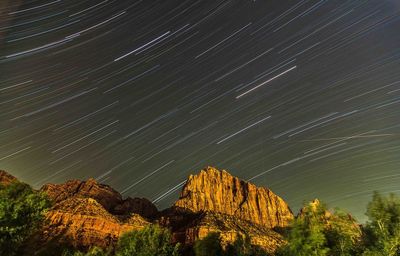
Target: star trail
(300,96)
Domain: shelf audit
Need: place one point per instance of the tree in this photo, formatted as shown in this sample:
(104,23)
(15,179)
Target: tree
(209,245)
(150,241)
(243,247)
(317,231)
(343,234)
(306,237)
(21,212)
(382,231)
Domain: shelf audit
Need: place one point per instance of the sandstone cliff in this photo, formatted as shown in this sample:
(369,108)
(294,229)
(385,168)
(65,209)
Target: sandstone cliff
(83,223)
(220,192)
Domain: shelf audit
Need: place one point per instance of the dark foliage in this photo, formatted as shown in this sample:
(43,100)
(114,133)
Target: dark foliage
(21,213)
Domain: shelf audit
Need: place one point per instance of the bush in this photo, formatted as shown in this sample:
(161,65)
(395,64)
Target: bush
(150,241)
(21,213)
(211,245)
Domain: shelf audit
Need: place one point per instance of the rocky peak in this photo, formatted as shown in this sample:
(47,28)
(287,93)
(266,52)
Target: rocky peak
(220,192)
(103,194)
(6,178)
(110,199)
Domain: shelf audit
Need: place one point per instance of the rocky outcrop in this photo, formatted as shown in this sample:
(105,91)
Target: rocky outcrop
(218,191)
(83,222)
(86,214)
(6,178)
(110,199)
(103,194)
(141,206)
(187,227)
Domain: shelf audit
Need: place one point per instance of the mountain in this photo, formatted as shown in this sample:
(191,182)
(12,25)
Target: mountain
(86,213)
(215,201)
(218,191)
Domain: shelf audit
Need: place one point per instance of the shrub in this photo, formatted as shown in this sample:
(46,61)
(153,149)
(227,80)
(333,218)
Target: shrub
(150,241)
(94,251)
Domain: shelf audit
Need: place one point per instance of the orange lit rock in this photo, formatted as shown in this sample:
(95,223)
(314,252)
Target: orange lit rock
(220,192)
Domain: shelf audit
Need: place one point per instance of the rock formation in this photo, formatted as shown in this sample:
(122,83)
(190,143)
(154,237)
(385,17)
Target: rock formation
(6,178)
(220,192)
(110,199)
(83,222)
(188,227)
(86,213)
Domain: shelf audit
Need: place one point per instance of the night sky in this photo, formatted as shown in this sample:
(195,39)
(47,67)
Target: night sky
(300,96)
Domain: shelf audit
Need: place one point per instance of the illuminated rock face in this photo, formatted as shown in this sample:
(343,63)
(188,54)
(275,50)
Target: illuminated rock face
(87,214)
(83,223)
(218,191)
